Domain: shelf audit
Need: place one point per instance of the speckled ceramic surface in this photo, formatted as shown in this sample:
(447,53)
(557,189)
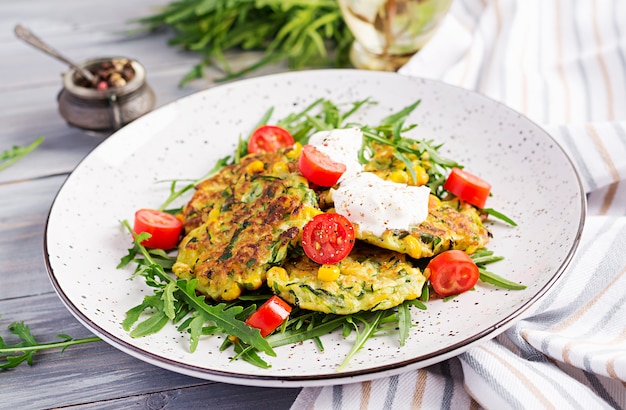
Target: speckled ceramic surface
(533,182)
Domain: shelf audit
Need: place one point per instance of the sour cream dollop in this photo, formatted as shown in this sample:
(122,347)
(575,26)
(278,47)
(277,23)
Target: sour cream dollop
(376,204)
(364,198)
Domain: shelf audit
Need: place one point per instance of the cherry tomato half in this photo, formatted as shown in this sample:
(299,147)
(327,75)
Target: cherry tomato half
(164,228)
(318,168)
(269,138)
(467,187)
(452,272)
(328,238)
(270,315)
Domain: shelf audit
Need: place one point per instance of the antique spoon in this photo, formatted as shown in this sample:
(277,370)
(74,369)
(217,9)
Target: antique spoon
(28,36)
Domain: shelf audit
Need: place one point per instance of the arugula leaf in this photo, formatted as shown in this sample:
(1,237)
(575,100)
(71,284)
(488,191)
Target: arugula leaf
(484,257)
(499,215)
(10,156)
(369,328)
(499,281)
(404,322)
(13,355)
(174,194)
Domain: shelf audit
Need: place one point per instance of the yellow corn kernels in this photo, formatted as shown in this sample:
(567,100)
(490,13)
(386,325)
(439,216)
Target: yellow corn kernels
(255,167)
(295,152)
(213,215)
(278,271)
(280,167)
(413,247)
(400,177)
(328,273)
(421,176)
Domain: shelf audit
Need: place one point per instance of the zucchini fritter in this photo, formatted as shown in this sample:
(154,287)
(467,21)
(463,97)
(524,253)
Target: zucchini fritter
(371,278)
(241,222)
(450,225)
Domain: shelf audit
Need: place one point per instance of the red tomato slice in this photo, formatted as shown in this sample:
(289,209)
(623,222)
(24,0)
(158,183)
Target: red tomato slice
(269,138)
(318,168)
(164,228)
(467,187)
(328,238)
(452,272)
(270,315)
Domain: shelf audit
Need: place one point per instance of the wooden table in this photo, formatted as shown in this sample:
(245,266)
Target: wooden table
(93,375)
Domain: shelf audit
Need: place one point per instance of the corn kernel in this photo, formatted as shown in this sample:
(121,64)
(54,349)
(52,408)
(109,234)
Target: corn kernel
(295,152)
(278,271)
(280,168)
(400,177)
(328,273)
(309,212)
(255,167)
(413,247)
(213,215)
(231,292)
(421,176)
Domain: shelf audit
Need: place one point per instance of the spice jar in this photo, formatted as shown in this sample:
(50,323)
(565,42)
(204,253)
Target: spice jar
(120,95)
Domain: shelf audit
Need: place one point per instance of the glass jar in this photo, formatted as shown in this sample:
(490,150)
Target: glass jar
(389,32)
(109,109)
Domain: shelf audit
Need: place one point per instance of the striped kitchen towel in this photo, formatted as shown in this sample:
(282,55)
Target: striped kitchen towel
(562,63)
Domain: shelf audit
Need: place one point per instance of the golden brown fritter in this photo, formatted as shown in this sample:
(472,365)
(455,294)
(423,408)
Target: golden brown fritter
(450,225)
(370,278)
(242,221)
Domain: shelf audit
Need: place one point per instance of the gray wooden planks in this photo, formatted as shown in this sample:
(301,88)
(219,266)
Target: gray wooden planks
(93,375)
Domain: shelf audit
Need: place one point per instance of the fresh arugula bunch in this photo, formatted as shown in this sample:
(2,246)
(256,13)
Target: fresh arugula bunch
(304,33)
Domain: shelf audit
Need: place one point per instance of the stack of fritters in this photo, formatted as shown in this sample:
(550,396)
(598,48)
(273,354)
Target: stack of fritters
(249,217)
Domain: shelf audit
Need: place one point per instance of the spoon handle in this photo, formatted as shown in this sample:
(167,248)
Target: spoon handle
(29,37)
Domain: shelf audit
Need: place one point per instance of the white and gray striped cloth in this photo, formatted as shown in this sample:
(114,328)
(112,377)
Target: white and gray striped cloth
(563,64)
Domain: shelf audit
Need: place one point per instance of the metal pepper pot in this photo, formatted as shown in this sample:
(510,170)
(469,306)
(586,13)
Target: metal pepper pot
(107,109)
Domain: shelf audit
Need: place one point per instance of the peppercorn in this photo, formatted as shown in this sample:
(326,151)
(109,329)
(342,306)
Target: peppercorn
(113,73)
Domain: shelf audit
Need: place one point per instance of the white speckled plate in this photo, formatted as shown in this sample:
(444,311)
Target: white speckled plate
(533,182)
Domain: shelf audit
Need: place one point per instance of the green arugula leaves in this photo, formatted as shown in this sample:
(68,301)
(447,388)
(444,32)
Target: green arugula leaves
(301,33)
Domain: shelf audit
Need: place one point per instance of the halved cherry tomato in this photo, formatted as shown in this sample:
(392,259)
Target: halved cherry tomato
(452,272)
(328,238)
(318,168)
(269,138)
(164,228)
(467,187)
(270,315)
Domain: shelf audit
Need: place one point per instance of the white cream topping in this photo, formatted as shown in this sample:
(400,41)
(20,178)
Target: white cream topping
(376,204)
(365,199)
